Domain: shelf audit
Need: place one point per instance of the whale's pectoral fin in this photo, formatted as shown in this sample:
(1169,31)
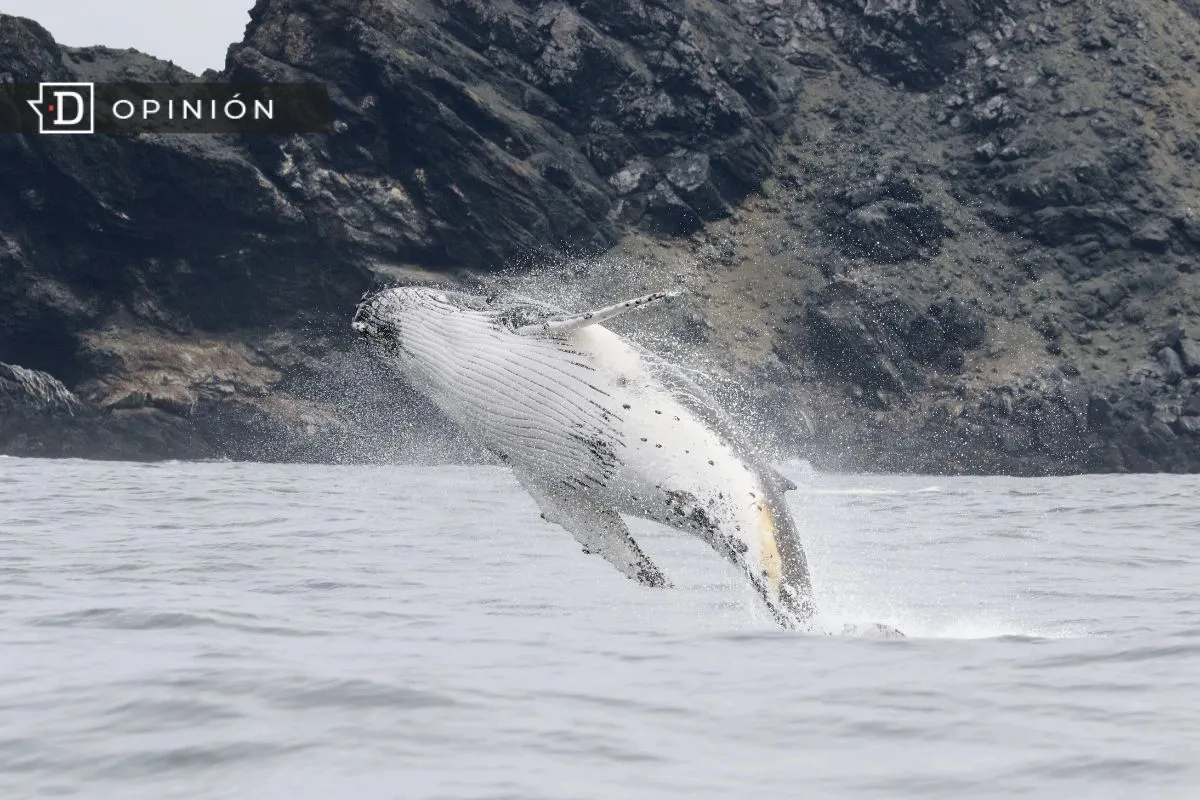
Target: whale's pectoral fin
(782,482)
(565,323)
(598,528)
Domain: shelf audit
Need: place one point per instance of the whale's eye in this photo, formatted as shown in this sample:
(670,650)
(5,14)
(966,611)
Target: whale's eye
(441,298)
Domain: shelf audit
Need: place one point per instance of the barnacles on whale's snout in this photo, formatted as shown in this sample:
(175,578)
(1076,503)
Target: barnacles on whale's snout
(366,320)
(361,323)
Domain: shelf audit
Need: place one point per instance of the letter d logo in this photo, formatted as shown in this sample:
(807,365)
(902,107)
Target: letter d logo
(65,107)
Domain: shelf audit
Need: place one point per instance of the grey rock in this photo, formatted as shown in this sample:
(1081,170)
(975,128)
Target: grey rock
(887,222)
(1099,413)
(992,113)
(1162,432)
(963,322)
(668,212)
(1154,236)
(1170,336)
(40,417)
(468,138)
(986,152)
(1172,367)
(1187,426)
(35,389)
(875,232)
(690,175)
(1189,355)
(1188,226)
(636,177)
(919,44)
(847,345)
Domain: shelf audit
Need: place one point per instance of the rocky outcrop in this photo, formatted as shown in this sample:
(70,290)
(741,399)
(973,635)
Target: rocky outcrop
(39,416)
(883,343)
(961,234)
(474,132)
(918,44)
(38,391)
(1042,172)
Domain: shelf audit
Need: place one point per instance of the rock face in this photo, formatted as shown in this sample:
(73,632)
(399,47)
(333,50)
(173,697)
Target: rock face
(961,233)
(919,44)
(39,416)
(474,132)
(1034,159)
(884,343)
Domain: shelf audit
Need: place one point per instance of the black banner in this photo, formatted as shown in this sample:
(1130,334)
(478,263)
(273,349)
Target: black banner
(88,108)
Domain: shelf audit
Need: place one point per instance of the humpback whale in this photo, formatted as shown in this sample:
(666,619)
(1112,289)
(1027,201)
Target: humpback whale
(594,426)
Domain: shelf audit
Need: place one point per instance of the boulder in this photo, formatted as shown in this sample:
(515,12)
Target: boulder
(1172,366)
(1189,356)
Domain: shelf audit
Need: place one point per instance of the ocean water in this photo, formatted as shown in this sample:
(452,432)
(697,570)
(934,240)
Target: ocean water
(226,630)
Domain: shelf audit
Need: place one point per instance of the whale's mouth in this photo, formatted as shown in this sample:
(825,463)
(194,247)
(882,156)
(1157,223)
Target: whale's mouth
(364,329)
(365,322)
(376,325)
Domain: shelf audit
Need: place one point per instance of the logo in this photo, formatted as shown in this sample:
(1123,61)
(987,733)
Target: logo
(65,107)
(161,108)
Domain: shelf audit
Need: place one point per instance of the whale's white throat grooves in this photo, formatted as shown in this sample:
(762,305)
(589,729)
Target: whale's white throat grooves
(523,394)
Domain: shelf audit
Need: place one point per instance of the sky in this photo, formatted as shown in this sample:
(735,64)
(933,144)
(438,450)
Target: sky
(192,33)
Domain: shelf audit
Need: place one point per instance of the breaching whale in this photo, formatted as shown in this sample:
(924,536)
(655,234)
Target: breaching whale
(595,426)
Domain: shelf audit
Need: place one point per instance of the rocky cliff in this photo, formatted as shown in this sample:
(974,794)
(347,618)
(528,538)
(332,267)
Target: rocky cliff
(943,235)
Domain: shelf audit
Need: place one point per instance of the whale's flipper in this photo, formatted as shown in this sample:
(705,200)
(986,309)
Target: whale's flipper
(782,482)
(599,529)
(560,323)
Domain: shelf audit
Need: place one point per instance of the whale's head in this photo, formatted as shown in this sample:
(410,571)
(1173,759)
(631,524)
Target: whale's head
(379,316)
(388,318)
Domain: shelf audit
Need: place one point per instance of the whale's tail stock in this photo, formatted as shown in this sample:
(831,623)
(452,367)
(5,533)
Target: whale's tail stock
(795,607)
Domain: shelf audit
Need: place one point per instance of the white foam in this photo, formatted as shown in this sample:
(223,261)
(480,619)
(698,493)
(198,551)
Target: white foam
(847,492)
(964,628)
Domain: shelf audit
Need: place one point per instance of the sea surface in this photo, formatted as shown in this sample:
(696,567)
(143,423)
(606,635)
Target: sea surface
(218,630)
